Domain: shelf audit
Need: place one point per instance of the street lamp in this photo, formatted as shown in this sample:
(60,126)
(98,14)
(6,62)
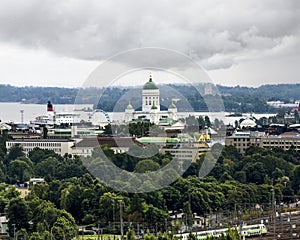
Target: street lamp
(14,225)
(114,216)
(290,223)
(22,116)
(121,219)
(98,230)
(274,208)
(51,236)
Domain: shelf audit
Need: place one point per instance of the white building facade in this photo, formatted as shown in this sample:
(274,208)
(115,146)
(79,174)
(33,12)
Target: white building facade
(59,146)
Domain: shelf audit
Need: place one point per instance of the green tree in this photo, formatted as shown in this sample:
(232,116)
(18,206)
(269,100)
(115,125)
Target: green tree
(207,121)
(40,190)
(15,151)
(225,177)
(130,235)
(37,155)
(136,208)
(44,215)
(20,170)
(22,234)
(280,114)
(46,167)
(63,228)
(18,214)
(296,178)
(188,214)
(107,129)
(155,215)
(149,236)
(233,234)
(146,165)
(255,172)
(36,236)
(108,202)
(172,197)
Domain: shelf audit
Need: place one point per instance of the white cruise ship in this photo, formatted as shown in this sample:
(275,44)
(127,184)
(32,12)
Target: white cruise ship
(52,118)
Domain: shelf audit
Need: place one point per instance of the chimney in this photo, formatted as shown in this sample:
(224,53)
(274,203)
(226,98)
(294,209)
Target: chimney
(73,131)
(45,132)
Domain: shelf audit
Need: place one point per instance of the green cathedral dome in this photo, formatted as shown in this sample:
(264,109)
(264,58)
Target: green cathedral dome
(150,85)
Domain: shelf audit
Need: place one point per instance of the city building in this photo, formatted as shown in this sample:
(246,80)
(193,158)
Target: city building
(3,225)
(151,107)
(280,104)
(244,139)
(86,146)
(186,151)
(285,141)
(248,123)
(73,131)
(4,127)
(180,219)
(59,146)
(23,190)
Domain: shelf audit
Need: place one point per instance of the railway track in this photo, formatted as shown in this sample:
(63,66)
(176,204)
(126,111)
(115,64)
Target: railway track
(286,227)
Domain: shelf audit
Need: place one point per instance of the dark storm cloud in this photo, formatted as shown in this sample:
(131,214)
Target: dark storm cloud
(216,33)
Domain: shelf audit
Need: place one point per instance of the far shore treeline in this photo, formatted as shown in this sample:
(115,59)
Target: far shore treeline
(235,99)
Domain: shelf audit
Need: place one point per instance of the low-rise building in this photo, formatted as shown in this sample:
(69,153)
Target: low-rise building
(3,225)
(180,219)
(187,151)
(285,141)
(24,191)
(86,146)
(59,146)
(73,131)
(4,127)
(243,140)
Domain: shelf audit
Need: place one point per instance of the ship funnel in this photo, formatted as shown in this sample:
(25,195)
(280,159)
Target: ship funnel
(49,107)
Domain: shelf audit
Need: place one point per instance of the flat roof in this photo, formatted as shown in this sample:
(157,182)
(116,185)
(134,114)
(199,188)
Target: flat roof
(41,140)
(157,140)
(110,141)
(239,136)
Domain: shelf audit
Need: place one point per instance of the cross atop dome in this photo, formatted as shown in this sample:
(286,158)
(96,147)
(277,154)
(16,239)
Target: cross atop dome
(150,85)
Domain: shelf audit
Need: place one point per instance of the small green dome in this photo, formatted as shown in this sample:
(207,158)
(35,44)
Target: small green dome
(150,85)
(129,106)
(153,107)
(172,106)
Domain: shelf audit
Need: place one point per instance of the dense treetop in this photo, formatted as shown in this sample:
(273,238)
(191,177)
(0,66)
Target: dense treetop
(72,196)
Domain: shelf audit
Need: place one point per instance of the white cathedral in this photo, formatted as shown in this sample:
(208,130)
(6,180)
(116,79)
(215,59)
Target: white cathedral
(151,107)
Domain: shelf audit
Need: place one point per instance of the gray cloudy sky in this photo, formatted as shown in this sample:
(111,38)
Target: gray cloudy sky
(58,43)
